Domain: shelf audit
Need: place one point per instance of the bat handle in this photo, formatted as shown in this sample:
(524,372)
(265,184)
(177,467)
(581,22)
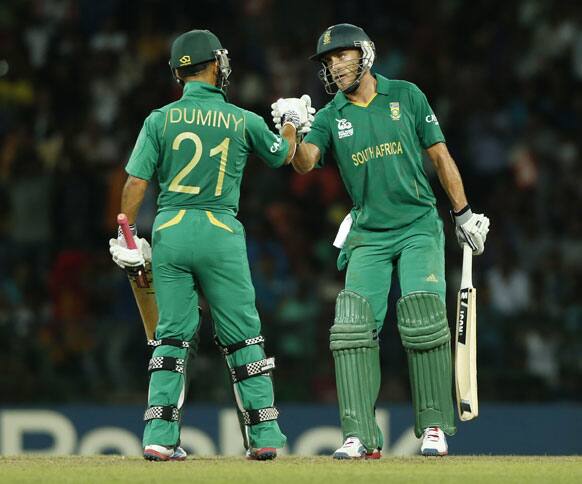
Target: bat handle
(127,235)
(467,273)
(137,273)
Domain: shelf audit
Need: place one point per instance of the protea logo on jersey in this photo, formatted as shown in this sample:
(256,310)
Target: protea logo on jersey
(391,148)
(395,111)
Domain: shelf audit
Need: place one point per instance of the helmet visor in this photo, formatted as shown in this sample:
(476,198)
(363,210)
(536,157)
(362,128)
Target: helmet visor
(224,68)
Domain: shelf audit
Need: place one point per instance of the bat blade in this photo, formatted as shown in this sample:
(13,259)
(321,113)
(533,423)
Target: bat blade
(466,343)
(466,355)
(141,281)
(145,297)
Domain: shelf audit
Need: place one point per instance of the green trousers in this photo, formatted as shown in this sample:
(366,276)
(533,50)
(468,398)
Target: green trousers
(193,251)
(417,252)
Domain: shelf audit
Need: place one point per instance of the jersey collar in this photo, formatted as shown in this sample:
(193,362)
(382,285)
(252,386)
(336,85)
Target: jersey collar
(202,89)
(382,87)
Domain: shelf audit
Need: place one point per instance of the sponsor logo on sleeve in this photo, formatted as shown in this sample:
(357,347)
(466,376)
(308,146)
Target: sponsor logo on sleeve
(276,146)
(431,118)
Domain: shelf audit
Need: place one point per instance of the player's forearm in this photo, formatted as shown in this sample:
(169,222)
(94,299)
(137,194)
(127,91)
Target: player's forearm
(132,197)
(449,176)
(289,133)
(452,183)
(306,157)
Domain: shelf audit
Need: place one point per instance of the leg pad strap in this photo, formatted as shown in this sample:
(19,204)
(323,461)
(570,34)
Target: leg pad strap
(254,417)
(163,412)
(169,363)
(168,342)
(256,368)
(228,349)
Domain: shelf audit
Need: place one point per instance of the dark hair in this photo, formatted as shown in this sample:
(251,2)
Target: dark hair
(188,71)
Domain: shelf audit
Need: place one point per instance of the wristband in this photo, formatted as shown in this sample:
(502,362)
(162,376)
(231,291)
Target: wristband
(463,215)
(290,117)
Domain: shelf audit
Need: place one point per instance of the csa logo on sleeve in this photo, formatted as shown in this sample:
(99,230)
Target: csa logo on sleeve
(344,128)
(395,111)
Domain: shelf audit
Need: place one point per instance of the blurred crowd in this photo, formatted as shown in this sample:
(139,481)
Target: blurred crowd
(77,78)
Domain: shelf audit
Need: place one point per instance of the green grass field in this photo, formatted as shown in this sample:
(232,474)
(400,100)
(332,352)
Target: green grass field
(498,470)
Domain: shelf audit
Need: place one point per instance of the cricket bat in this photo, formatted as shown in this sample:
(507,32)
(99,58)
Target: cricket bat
(141,281)
(466,342)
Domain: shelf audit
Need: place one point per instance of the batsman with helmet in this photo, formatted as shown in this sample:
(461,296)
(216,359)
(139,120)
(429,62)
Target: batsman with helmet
(376,129)
(197,148)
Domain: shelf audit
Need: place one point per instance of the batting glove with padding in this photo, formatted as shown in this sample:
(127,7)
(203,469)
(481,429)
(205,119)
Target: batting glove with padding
(297,111)
(125,257)
(471,228)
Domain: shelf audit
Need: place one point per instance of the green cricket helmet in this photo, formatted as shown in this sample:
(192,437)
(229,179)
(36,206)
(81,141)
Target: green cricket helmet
(344,36)
(198,47)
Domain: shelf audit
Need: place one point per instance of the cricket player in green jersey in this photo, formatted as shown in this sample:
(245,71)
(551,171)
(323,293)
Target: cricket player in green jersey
(197,148)
(376,129)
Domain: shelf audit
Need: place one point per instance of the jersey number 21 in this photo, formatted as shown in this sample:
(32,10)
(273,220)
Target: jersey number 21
(221,148)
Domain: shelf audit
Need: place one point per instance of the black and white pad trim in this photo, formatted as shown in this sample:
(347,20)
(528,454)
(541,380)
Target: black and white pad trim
(229,349)
(172,414)
(253,417)
(249,370)
(168,363)
(168,342)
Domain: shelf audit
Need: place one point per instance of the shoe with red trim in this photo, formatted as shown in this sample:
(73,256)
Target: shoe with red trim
(374,455)
(162,453)
(434,442)
(264,453)
(354,449)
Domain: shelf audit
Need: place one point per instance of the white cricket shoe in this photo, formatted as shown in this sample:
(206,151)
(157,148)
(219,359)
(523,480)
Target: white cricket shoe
(160,453)
(434,442)
(354,449)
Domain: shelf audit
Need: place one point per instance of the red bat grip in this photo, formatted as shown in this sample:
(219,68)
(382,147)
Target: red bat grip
(127,235)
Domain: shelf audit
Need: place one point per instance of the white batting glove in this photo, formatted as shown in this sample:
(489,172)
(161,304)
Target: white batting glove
(125,257)
(289,109)
(306,128)
(471,228)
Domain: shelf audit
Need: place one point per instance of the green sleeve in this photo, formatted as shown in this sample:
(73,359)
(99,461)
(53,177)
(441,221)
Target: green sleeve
(268,146)
(144,157)
(320,134)
(428,129)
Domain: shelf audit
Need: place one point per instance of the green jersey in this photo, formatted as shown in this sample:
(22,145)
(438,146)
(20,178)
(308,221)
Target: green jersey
(378,149)
(198,148)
